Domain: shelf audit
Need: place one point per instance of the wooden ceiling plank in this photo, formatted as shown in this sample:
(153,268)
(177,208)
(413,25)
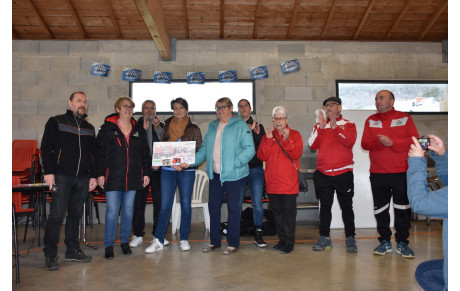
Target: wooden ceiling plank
(329,18)
(15,34)
(40,19)
(363,20)
(76,19)
(435,17)
(152,14)
(293,19)
(259,8)
(113,18)
(222,16)
(398,20)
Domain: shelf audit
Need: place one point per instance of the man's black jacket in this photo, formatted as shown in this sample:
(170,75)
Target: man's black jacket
(68,146)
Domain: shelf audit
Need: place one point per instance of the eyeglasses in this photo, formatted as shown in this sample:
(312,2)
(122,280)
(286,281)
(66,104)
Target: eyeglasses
(330,105)
(243,105)
(221,107)
(125,106)
(278,119)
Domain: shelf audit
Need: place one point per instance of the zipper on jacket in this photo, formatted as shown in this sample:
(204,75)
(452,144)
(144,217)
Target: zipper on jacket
(221,161)
(127,163)
(79,145)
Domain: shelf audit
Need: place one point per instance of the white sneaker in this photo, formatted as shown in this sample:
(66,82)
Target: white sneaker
(184,245)
(136,241)
(155,246)
(166,242)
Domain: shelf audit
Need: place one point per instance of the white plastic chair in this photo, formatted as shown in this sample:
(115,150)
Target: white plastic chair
(197,201)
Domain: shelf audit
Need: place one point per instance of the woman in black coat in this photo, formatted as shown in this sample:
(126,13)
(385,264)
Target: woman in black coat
(123,168)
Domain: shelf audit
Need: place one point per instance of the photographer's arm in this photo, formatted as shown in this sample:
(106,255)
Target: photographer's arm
(423,201)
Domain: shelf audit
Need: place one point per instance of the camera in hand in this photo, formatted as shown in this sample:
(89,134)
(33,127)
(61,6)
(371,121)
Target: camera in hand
(424,142)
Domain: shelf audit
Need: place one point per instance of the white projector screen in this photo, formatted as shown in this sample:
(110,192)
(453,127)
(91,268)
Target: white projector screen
(201,98)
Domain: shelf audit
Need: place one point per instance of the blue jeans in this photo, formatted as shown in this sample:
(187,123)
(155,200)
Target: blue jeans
(429,275)
(169,181)
(70,195)
(256,182)
(234,198)
(114,200)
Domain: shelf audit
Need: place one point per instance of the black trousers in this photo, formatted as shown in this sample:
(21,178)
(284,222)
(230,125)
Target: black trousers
(343,185)
(140,202)
(285,212)
(385,186)
(69,197)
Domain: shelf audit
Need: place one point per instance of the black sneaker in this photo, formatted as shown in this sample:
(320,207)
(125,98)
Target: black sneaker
(287,249)
(279,245)
(109,252)
(77,256)
(51,263)
(258,240)
(125,248)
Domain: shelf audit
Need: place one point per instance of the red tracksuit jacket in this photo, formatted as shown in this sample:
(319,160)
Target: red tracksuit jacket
(400,128)
(335,147)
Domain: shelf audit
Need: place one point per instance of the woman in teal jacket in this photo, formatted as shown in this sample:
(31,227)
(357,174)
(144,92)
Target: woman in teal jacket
(227,148)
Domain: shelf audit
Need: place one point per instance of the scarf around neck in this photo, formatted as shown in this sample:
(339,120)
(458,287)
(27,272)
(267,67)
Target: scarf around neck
(177,128)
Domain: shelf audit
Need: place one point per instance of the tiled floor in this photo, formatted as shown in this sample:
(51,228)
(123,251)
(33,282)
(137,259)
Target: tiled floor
(250,268)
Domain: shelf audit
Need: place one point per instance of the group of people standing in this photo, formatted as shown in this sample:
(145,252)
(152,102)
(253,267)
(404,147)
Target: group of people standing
(235,146)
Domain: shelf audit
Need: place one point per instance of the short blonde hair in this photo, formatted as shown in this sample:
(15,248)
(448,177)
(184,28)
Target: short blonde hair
(279,110)
(118,103)
(224,101)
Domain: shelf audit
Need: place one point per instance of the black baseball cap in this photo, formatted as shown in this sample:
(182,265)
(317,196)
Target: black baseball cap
(335,99)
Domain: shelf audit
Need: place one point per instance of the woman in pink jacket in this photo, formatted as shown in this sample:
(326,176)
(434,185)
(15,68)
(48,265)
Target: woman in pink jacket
(281,180)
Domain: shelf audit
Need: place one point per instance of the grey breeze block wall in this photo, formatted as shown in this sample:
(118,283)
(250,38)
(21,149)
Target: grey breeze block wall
(45,73)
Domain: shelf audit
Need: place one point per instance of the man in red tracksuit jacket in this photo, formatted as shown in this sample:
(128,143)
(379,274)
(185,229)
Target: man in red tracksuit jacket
(387,136)
(333,137)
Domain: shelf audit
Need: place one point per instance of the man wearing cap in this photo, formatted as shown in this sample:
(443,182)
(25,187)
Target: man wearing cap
(387,136)
(333,137)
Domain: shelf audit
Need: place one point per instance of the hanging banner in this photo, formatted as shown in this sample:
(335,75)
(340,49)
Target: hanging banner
(227,76)
(131,74)
(195,77)
(290,66)
(100,69)
(259,72)
(162,77)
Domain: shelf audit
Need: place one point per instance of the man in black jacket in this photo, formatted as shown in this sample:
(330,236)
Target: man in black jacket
(68,153)
(154,128)
(256,178)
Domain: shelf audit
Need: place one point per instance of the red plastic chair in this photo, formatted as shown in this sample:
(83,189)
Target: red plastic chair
(25,158)
(18,202)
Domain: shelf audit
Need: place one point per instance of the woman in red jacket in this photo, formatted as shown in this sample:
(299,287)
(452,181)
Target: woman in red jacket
(281,180)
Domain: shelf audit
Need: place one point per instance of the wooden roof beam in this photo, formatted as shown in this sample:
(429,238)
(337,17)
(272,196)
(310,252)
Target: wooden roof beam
(256,23)
(293,19)
(329,18)
(185,18)
(113,18)
(364,19)
(222,15)
(400,17)
(434,18)
(40,19)
(76,19)
(152,13)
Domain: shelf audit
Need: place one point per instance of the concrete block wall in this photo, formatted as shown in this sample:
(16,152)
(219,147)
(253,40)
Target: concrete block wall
(45,73)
